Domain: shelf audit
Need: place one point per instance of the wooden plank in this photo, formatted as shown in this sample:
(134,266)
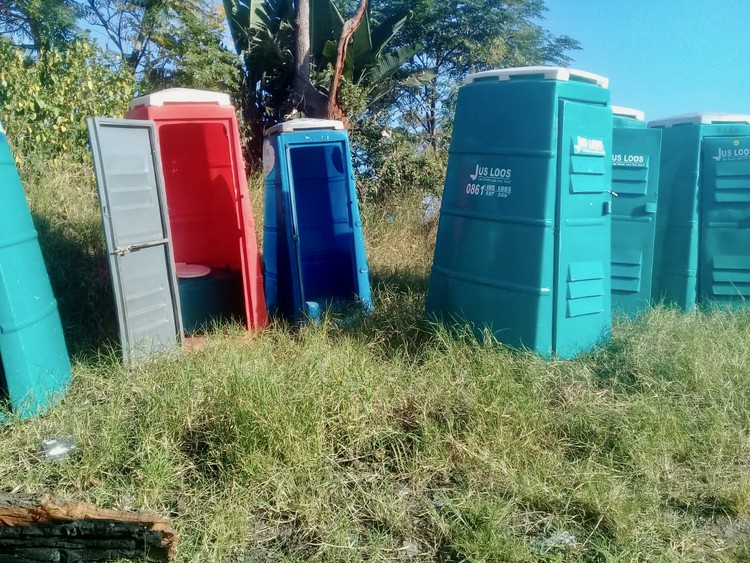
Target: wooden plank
(41,527)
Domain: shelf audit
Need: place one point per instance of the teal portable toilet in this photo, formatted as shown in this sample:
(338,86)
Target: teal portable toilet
(34,364)
(523,243)
(313,248)
(702,249)
(635,179)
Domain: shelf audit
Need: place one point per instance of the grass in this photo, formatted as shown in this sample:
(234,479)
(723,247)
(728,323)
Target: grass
(392,439)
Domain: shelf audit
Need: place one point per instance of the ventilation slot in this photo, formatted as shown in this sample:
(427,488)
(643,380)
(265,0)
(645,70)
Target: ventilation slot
(627,267)
(730,276)
(630,179)
(587,173)
(585,289)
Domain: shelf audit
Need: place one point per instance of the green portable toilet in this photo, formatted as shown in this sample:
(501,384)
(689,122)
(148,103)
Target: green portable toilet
(34,365)
(702,249)
(635,178)
(523,243)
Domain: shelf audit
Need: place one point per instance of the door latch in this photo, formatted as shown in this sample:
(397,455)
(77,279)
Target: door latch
(123,250)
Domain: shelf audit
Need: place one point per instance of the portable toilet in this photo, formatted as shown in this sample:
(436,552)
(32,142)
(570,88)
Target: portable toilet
(213,230)
(523,242)
(34,364)
(702,235)
(313,249)
(635,179)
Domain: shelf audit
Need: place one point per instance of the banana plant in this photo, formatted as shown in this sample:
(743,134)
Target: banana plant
(263,34)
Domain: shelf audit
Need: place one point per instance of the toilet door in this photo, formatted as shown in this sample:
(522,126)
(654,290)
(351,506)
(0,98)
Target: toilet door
(723,261)
(583,310)
(635,177)
(136,227)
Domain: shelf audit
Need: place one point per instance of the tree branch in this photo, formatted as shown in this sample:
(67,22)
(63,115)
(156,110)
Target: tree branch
(105,23)
(350,26)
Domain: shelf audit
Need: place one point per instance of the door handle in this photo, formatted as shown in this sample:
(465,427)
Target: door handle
(650,208)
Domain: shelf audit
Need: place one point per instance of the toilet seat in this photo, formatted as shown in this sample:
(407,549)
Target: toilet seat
(185,271)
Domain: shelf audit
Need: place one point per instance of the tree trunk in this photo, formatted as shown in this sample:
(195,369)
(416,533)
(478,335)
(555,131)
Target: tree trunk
(334,110)
(305,96)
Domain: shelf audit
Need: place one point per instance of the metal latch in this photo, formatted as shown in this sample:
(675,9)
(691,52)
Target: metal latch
(123,250)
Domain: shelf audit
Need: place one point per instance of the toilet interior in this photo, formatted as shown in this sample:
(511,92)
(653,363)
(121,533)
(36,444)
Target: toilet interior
(322,199)
(200,185)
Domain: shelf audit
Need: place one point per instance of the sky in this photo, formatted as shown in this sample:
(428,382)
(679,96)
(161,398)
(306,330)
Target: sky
(664,57)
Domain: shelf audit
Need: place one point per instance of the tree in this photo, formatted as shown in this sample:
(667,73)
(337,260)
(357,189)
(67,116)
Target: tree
(167,42)
(129,26)
(347,33)
(288,69)
(304,95)
(469,36)
(38,25)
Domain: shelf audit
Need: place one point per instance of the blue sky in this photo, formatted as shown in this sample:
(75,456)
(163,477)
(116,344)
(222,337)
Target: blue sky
(664,57)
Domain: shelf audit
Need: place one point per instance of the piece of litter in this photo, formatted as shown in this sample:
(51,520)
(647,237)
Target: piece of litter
(430,208)
(410,548)
(56,449)
(558,540)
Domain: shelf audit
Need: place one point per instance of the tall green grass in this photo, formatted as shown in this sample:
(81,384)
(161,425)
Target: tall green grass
(63,201)
(392,439)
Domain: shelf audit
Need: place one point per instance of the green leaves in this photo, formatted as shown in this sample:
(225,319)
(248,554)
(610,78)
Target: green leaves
(326,24)
(458,39)
(238,19)
(45,100)
(263,31)
(40,24)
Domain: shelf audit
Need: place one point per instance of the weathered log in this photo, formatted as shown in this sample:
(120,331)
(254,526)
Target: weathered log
(41,527)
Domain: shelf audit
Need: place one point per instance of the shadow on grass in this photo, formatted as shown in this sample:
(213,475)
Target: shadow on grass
(79,276)
(397,326)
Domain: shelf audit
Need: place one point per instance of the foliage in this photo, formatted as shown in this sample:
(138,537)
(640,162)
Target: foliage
(44,101)
(371,63)
(192,54)
(167,43)
(129,26)
(39,24)
(483,34)
(390,164)
(263,35)
(263,32)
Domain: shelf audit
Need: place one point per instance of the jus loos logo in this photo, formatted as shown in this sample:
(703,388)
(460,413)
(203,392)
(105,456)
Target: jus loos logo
(736,153)
(628,159)
(486,173)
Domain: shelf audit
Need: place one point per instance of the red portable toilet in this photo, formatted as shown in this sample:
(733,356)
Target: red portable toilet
(210,216)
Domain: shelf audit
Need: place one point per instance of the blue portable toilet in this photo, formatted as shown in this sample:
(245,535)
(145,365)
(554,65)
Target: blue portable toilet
(523,243)
(702,237)
(313,249)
